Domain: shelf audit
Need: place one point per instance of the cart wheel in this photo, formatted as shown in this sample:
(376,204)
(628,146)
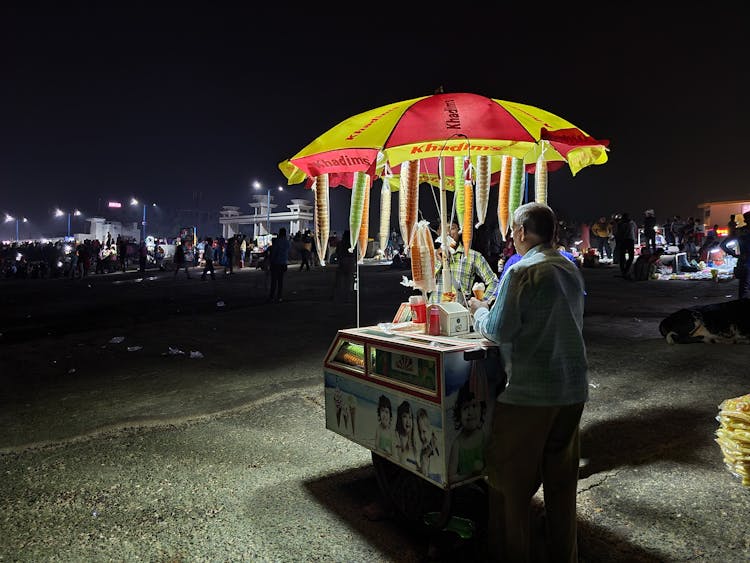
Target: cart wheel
(410,495)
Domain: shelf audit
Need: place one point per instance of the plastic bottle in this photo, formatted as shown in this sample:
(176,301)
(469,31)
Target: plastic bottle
(434,321)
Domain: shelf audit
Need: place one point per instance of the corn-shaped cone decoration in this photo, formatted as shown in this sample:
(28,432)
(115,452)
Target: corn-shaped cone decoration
(458,188)
(483,187)
(385,215)
(468,230)
(403,202)
(321,217)
(355,209)
(503,196)
(422,250)
(516,181)
(364,228)
(540,180)
(408,199)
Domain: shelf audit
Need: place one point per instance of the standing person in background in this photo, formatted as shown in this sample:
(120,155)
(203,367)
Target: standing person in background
(191,252)
(84,257)
(668,235)
(243,251)
(74,262)
(346,264)
(122,252)
(333,241)
(738,245)
(677,225)
(96,255)
(627,231)
(142,256)
(496,249)
(236,251)
(649,230)
(229,257)
(394,242)
(731,226)
(180,260)
(249,251)
(208,259)
(219,257)
(602,230)
(613,222)
(279,259)
(159,257)
(509,249)
(306,251)
(537,320)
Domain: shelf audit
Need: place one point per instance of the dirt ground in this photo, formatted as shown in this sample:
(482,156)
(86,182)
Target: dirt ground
(182,420)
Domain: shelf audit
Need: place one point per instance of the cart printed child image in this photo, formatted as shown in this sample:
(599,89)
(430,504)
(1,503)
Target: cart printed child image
(409,435)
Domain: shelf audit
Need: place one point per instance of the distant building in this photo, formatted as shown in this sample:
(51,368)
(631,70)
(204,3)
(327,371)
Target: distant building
(262,218)
(718,212)
(99,227)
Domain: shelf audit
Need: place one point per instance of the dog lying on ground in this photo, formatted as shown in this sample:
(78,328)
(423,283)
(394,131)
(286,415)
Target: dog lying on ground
(722,323)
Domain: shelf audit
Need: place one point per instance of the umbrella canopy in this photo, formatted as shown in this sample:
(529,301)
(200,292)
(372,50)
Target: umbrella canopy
(443,125)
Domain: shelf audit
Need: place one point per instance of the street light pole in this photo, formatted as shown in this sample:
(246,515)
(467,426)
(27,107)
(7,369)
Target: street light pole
(60,213)
(134,201)
(9,218)
(257,185)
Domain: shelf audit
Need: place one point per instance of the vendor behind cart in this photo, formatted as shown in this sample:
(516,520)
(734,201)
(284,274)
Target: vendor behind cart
(464,269)
(537,320)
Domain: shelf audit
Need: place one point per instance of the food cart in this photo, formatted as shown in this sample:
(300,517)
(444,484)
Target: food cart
(421,403)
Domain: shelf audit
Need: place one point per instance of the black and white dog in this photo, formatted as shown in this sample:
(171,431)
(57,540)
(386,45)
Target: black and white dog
(723,323)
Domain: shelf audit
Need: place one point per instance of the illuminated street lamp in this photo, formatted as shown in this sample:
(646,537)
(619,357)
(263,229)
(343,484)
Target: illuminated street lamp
(134,201)
(257,185)
(9,218)
(60,213)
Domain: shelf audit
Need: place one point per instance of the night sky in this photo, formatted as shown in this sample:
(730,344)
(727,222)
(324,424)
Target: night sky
(186,106)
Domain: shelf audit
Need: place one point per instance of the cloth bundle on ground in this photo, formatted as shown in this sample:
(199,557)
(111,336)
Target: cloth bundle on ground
(724,323)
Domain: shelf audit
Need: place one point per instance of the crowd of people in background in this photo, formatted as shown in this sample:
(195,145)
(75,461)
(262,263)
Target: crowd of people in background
(631,243)
(54,259)
(80,259)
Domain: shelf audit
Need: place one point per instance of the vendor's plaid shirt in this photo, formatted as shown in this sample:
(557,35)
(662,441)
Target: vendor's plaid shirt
(463,270)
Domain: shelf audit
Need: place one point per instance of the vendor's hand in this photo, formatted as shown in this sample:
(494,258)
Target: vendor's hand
(439,254)
(475,304)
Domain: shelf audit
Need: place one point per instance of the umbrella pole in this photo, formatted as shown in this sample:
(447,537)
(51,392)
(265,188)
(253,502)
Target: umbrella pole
(443,231)
(356,289)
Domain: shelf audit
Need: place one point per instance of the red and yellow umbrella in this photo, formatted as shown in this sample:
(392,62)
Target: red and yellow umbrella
(449,135)
(443,125)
